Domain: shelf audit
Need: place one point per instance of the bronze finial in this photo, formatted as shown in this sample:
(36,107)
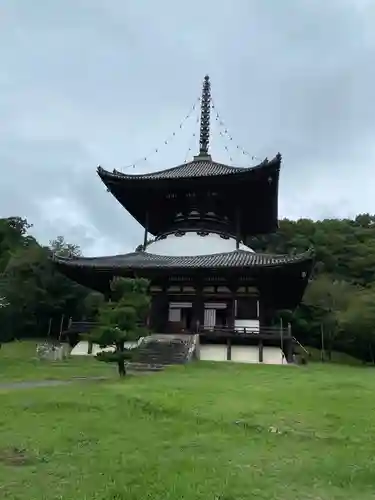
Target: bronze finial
(204,140)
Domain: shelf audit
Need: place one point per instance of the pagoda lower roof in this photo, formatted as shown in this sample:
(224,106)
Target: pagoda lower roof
(282,278)
(239,259)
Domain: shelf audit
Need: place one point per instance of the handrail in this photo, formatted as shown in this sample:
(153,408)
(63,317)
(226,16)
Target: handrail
(301,346)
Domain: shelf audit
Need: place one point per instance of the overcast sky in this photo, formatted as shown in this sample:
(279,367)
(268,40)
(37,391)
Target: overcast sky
(88,82)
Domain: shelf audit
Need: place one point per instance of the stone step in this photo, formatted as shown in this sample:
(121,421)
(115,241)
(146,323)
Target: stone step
(145,367)
(162,354)
(164,350)
(161,357)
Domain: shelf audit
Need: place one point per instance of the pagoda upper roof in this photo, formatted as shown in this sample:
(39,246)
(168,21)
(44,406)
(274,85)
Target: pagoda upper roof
(200,166)
(153,199)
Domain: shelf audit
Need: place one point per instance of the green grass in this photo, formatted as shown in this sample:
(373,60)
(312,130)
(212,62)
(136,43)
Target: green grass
(18,362)
(206,431)
(337,357)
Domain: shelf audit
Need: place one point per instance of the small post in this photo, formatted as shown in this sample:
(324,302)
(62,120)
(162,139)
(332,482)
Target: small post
(234,310)
(322,353)
(49,327)
(290,344)
(282,340)
(61,325)
(229,349)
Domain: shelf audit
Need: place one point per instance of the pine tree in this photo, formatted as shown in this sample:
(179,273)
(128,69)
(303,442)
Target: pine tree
(122,319)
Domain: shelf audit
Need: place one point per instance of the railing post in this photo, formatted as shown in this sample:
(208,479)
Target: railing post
(282,340)
(260,346)
(229,349)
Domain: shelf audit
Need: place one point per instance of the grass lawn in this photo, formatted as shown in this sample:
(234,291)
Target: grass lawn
(337,357)
(18,362)
(205,431)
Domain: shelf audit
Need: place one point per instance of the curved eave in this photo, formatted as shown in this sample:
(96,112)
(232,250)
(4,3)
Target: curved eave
(239,259)
(284,278)
(181,172)
(256,189)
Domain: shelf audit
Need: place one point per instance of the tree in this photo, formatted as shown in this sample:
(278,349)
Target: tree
(64,249)
(357,322)
(92,304)
(328,297)
(122,320)
(36,293)
(141,247)
(5,334)
(13,235)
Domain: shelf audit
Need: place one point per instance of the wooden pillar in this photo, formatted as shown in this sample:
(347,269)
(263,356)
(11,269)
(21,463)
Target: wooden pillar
(159,312)
(262,314)
(234,310)
(238,227)
(145,233)
(198,307)
(107,294)
(152,313)
(232,306)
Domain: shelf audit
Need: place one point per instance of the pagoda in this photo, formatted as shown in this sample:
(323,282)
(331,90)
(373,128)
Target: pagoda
(203,277)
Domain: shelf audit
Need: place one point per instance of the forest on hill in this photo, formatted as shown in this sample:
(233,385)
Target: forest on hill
(36,301)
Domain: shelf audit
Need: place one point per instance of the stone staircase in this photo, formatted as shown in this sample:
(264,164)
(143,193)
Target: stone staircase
(158,351)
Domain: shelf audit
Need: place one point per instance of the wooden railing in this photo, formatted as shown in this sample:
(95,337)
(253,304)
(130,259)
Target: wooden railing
(81,326)
(271,331)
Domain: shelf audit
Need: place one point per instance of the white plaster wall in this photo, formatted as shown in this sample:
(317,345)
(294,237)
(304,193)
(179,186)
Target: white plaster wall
(251,324)
(213,352)
(245,354)
(241,354)
(273,356)
(96,349)
(192,244)
(82,348)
